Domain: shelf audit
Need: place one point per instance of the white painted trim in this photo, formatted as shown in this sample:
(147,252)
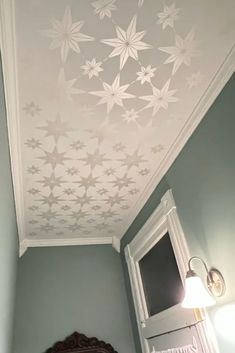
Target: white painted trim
(215,87)
(164,219)
(68,242)
(9,63)
(116,244)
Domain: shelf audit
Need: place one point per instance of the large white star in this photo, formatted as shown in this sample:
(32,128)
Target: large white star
(66,35)
(113,94)
(182,52)
(127,43)
(160,98)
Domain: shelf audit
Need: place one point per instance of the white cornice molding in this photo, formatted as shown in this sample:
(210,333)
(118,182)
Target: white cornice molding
(116,244)
(215,87)
(30,243)
(9,63)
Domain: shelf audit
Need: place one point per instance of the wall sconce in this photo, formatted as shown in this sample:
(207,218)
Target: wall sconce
(196,294)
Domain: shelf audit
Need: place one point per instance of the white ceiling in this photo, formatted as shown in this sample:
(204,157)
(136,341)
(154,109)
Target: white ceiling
(104,90)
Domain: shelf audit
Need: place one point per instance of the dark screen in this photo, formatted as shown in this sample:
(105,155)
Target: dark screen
(160,276)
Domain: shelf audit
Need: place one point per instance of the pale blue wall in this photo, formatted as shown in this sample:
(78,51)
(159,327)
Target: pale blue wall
(8,234)
(63,289)
(203,183)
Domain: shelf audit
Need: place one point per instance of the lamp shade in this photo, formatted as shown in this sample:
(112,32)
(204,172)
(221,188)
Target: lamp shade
(196,295)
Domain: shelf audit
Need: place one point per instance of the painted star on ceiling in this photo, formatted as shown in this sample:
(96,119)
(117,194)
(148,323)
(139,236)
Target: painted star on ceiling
(128,43)
(54,158)
(107,214)
(56,128)
(104,8)
(115,199)
(52,181)
(168,16)
(83,200)
(50,200)
(48,215)
(113,94)
(160,98)
(183,51)
(94,159)
(77,215)
(132,160)
(66,35)
(122,182)
(88,181)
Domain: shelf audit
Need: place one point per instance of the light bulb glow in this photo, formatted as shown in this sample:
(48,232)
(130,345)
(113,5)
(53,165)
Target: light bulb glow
(196,295)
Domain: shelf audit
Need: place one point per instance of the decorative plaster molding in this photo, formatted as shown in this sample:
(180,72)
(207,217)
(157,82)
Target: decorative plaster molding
(68,242)
(8,52)
(217,84)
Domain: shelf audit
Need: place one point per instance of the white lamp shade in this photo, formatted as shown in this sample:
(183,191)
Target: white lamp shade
(196,295)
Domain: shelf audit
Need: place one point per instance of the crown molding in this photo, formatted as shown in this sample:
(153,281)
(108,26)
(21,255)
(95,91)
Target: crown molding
(116,243)
(9,64)
(32,243)
(216,85)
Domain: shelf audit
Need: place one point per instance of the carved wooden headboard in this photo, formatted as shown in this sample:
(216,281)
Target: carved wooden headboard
(79,343)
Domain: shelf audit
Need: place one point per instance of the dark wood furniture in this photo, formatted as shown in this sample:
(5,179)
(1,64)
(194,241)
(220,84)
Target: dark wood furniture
(79,343)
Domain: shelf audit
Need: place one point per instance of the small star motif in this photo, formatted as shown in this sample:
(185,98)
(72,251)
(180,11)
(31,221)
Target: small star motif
(78,145)
(47,228)
(134,191)
(65,208)
(33,143)
(109,171)
(72,171)
(77,215)
(74,227)
(101,226)
(118,147)
(102,191)
(33,208)
(144,172)
(96,207)
(33,170)
(32,109)
(33,221)
(107,214)
(69,191)
(48,215)
(33,191)
(157,149)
